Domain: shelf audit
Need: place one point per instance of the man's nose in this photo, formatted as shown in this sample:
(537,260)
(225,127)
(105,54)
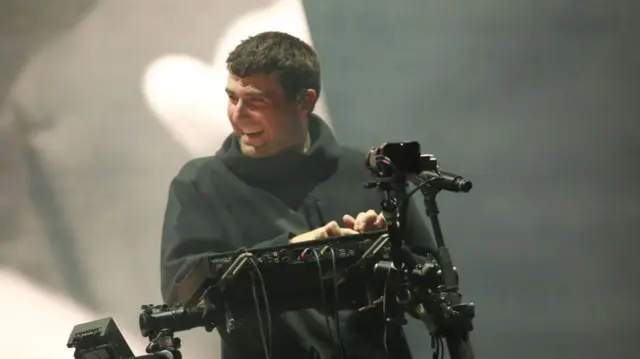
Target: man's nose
(239,111)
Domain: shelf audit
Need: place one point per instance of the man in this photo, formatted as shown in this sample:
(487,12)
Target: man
(279,178)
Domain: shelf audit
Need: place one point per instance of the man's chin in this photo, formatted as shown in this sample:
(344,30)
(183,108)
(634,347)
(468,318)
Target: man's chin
(253,149)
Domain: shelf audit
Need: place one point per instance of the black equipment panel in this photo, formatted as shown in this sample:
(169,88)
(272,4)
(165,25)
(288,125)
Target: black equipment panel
(286,269)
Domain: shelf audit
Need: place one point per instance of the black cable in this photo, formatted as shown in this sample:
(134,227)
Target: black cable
(405,200)
(325,307)
(336,317)
(319,212)
(334,269)
(437,346)
(386,164)
(265,348)
(268,348)
(384,312)
(267,306)
(434,348)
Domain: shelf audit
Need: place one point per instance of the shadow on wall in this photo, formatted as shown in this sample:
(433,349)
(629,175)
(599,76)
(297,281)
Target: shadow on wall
(28,25)
(108,126)
(536,102)
(186,94)
(38,321)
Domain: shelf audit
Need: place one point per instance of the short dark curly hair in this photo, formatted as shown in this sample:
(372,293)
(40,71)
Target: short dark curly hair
(293,60)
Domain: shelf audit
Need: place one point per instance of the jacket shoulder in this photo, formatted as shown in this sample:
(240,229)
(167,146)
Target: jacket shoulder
(194,169)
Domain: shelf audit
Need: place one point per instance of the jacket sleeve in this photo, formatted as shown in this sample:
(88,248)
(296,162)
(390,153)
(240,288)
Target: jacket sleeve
(190,233)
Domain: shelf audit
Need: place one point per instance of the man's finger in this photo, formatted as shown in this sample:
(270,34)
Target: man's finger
(380,221)
(368,220)
(349,221)
(361,222)
(332,229)
(347,231)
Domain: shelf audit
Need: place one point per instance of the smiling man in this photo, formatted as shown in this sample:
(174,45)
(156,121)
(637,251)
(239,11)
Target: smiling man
(262,116)
(279,178)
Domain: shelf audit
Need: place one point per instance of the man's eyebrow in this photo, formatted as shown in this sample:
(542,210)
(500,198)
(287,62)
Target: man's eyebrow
(250,93)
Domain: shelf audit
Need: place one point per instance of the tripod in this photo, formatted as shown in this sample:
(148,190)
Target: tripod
(440,308)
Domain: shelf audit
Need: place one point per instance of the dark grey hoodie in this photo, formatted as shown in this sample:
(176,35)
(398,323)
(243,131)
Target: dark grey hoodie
(227,201)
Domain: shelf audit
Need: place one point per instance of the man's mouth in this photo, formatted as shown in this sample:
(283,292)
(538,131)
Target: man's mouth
(253,133)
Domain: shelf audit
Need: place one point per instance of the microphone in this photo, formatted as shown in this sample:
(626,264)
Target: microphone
(404,159)
(447,181)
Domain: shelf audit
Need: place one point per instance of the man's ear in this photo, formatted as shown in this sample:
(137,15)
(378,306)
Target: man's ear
(307,100)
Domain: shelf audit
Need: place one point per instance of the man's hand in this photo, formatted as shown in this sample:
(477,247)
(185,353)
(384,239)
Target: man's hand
(365,221)
(331,229)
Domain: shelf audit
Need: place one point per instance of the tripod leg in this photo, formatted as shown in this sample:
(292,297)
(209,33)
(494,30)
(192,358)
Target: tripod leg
(397,345)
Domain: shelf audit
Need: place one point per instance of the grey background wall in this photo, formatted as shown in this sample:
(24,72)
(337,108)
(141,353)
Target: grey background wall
(533,101)
(536,101)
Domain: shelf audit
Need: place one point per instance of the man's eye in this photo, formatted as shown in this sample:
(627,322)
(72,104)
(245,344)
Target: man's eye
(258,102)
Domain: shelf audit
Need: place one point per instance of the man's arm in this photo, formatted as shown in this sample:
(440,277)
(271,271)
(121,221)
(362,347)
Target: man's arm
(191,232)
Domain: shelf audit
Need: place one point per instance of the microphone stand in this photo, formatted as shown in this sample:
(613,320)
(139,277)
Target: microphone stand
(159,355)
(394,312)
(452,318)
(163,346)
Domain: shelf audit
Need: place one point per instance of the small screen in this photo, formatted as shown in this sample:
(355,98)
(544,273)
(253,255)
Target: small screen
(405,156)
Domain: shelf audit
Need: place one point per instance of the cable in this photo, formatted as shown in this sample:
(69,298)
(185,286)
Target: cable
(266,347)
(384,312)
(334,269)
(267,307)
(336,317)
(323,292)
(386,164)
(438,347)
(405,200)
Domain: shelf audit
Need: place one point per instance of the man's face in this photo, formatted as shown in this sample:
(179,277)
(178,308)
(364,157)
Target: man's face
(262,117)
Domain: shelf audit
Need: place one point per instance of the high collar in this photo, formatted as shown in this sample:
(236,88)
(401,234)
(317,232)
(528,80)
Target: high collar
(317,164)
